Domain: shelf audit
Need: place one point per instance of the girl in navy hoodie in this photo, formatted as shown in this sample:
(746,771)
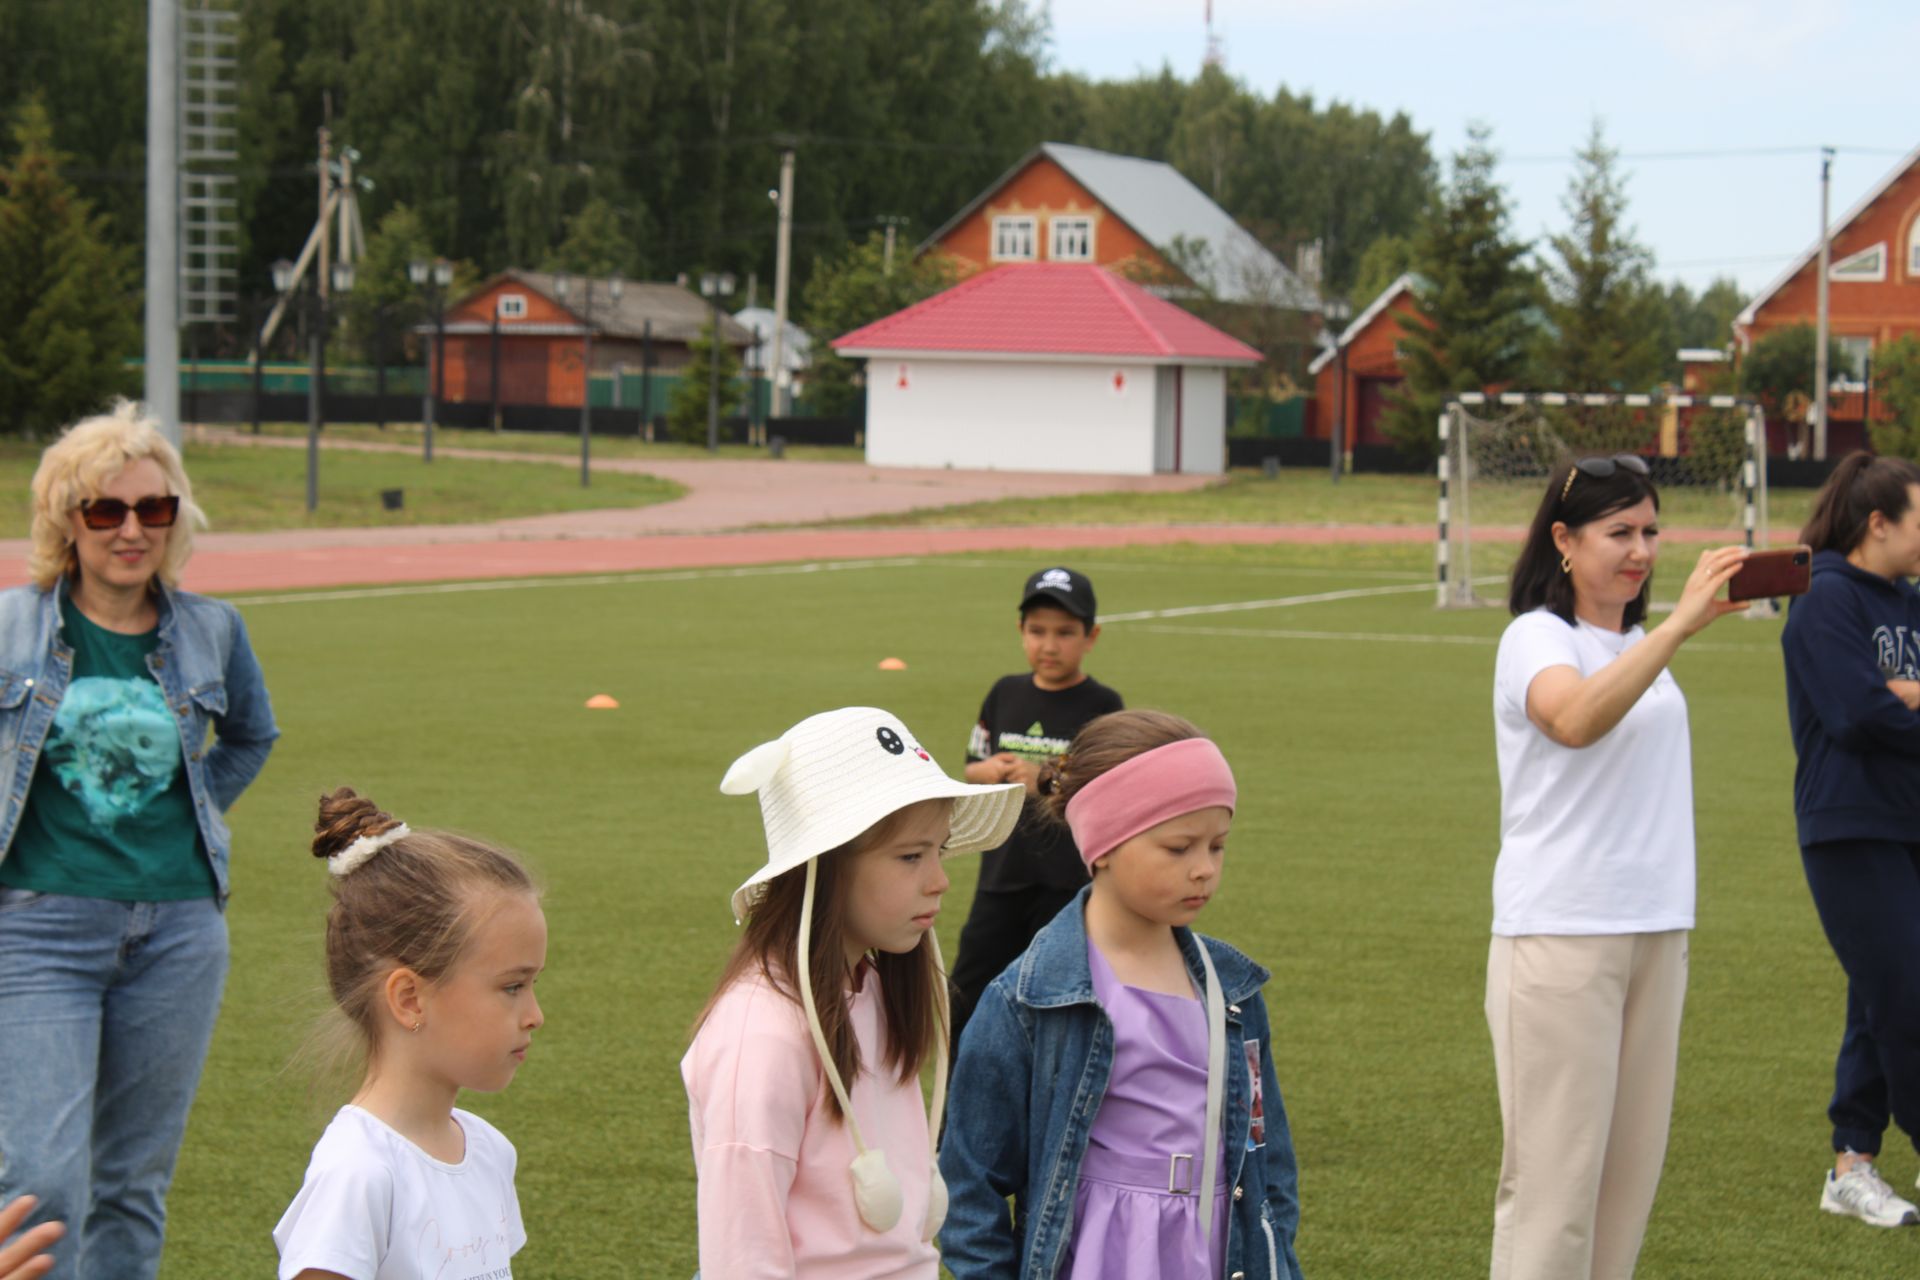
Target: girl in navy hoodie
(1853,699)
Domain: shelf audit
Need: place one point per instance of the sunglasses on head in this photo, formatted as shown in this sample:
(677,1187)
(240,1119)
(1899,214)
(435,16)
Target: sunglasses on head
(1601,468)
(111,513)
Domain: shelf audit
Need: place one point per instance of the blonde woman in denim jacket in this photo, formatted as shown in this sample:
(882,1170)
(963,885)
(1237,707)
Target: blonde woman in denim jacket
(132,715)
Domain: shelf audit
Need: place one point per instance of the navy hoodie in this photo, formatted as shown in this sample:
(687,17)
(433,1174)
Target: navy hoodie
(1859,747)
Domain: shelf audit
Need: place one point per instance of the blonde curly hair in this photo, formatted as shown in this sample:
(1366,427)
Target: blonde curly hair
(80,464)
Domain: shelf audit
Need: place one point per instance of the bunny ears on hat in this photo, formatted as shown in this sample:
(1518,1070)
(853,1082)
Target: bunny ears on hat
(832,776)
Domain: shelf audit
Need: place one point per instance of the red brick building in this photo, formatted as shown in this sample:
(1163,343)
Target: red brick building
(1065,203)
(1354,377)
(539,337)
(1873,290)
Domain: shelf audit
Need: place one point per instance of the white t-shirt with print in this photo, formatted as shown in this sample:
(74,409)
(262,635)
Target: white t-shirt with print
(1599,839)
(376,1207)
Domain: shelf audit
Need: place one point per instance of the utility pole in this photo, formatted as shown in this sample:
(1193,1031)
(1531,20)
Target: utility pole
(1820,329)
(783,254)
(325,261)
(161,373)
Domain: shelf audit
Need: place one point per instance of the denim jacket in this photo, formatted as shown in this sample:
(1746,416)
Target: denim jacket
(206,670)
(1032,1070)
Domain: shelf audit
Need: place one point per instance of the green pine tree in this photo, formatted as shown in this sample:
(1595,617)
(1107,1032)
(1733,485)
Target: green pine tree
(68,308)
(1478,299)
(1609,323)
(687,409)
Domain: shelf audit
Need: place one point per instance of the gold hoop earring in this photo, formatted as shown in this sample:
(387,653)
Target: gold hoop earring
(1566,564)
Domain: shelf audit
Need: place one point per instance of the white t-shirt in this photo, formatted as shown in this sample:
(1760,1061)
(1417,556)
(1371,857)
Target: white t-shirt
(1598,839)
(376,1207)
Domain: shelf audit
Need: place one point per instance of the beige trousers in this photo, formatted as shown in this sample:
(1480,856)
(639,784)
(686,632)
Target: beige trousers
(1586,1037)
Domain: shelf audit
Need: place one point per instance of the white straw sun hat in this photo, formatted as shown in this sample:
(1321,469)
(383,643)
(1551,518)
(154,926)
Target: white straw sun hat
(822,783)
(833,775)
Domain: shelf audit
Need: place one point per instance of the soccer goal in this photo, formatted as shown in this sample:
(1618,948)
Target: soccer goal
(1707,455)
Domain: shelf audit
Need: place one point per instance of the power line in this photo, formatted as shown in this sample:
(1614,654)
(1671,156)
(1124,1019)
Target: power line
(1708,153)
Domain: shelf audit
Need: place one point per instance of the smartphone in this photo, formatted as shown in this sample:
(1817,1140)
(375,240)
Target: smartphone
(1785,571)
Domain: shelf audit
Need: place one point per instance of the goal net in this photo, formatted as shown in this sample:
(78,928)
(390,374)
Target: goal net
(1707,456)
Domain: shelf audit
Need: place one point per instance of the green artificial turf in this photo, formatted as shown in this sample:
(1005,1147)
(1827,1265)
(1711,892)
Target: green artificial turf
(245,489)
(1304,495)
(1359,871)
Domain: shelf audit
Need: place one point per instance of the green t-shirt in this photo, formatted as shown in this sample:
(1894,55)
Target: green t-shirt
(109,813)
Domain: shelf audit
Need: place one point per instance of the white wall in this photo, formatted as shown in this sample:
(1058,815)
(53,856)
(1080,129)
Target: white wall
(1203,421)
(1012,416)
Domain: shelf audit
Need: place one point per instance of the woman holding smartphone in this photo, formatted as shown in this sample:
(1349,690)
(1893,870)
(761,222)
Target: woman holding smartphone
(1593,891)
(1853,701)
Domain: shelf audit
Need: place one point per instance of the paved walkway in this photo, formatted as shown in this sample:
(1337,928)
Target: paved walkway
(712,526)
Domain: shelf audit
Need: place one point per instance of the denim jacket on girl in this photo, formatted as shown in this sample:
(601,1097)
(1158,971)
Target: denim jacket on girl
(1032,1070)
(206,670)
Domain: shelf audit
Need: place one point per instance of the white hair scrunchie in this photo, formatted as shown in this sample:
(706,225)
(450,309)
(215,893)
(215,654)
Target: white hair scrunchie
(350,858)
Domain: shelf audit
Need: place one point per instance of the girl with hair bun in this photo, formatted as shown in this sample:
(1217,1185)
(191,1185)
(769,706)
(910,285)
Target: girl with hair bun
(1852,646)
(434,943)
(1117,1081)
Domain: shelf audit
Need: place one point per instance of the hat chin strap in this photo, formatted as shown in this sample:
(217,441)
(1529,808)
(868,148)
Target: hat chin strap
(876,1191)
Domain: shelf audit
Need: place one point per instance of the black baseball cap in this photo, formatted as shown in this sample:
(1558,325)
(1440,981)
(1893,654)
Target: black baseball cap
(1064,588)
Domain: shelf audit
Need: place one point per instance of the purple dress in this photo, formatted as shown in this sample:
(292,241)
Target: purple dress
(1126,1223)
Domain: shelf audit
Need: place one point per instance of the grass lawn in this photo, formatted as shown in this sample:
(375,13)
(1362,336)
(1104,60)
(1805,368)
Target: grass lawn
(246,490)
(556,442)
(1304,495)
(1359,873)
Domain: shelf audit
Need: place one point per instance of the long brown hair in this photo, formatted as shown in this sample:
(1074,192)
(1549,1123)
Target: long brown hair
(412,905)
(908,981)
(1107,743)
(1861,485)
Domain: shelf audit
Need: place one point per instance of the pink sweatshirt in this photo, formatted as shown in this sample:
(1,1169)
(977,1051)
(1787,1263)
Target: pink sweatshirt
(776,1199)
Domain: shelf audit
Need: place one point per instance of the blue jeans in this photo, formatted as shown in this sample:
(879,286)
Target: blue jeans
(106,1011)
(1868,897)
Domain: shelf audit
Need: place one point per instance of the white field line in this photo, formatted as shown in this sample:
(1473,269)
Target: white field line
(597,580)
(1279,602)
(1386,637)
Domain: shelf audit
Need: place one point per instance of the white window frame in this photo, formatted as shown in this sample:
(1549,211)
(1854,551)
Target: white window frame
(1063,226)
(1009,230)
(1856,350)
(1847,270)
(513,306)
(1913,248)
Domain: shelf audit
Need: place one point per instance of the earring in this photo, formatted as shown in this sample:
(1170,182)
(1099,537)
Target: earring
(417,1025)
(1566,564)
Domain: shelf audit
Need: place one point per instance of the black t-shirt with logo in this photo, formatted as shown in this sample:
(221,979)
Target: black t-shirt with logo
(1036,724)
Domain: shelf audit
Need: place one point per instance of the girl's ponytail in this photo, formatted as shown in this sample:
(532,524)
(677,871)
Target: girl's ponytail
(1859,486)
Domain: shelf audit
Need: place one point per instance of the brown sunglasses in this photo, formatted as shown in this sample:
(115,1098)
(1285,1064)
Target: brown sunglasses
(111,513)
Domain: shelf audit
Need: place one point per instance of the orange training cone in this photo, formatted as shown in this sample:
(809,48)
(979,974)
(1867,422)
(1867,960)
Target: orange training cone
(892,664)
(603,702)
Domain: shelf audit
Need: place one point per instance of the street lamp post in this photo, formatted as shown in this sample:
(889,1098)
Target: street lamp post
(713,287)
(342,280)
(562,285)
(1336,312)
(434,277)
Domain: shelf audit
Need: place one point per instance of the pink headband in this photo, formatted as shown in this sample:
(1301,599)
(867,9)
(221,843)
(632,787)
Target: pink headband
(1146,791)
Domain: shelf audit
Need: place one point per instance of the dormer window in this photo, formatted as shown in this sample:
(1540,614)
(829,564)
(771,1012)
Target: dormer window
(513,306)
(1072,240)
(1013,236)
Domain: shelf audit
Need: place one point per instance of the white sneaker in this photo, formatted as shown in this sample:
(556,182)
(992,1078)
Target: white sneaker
(1862,1193)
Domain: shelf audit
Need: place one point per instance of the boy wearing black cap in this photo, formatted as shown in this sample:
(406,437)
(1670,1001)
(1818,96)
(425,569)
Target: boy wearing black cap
(1026,721)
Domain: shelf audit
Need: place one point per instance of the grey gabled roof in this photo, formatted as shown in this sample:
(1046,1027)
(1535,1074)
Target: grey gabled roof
(1158,202)
(677,314)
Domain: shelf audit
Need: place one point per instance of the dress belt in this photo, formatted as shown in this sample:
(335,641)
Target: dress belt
(1177,1173)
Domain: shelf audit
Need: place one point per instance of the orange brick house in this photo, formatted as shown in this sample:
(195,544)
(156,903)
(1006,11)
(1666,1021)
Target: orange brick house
(520,319)
(1064,203)
(1873,289)
(1352,378)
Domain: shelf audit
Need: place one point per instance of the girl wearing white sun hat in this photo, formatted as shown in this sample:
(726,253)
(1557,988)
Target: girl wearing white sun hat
(813,1155)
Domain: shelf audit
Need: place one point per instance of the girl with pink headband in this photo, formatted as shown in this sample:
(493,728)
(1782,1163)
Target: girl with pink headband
(1117,1080)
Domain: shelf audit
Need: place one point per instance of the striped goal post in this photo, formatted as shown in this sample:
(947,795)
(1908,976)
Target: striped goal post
(1707,453)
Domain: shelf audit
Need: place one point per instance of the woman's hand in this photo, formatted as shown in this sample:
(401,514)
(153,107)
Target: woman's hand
(1699,603)
(1908,691)
(25,1258)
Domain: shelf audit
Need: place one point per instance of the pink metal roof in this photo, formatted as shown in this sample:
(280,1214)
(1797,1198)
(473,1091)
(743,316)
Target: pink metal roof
(1050,308)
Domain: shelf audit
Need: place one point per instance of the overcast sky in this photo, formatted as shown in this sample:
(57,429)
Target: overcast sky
(1717,106)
